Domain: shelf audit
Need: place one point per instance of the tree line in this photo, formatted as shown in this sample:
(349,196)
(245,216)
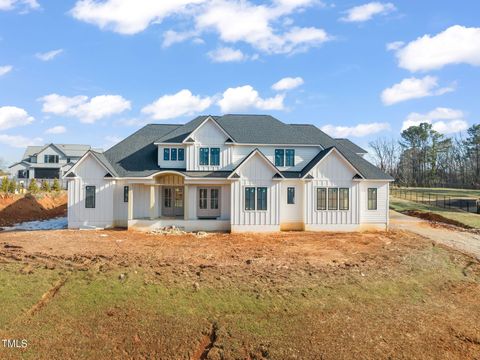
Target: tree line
(423,157)
(12,187)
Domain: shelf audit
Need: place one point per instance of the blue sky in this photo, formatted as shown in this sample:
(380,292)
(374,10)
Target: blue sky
(95,71)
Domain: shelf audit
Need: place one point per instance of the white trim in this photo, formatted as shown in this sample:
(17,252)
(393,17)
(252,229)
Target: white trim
(89,152)
(203,122)
(344,159)
(278,145)
(253,153)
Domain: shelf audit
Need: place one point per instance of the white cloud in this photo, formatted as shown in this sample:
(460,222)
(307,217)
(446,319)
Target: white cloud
(85,109)
(233,20)
(287,83)
(12,116)
(359,130)
(367,11)
(395,45)
(227,54)
(17,141)
(49,55)
(457,44)
(443,120)
(6,5)
(129,16)
(179,104)
(246,97)
(413,88)
(5,69)
(56,130)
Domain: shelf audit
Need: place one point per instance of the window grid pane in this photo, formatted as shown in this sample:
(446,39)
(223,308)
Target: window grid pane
(290,157)
(261,198)
(332,198)
(214,199)
(90,197)
(125,194)
(167,197)
(279,157)
(173,154)
(291,195)
(215,156)
(203,198)
(204,156)
(249,198)
(372,199)
(181,154)
(321,199)
(166,154)
(344,200)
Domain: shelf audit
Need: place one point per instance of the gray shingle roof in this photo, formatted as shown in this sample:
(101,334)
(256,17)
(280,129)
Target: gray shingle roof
(137,156)
(70,150)
(351,146)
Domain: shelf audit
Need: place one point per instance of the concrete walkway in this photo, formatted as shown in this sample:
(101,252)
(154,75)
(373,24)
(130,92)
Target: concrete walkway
(461,240)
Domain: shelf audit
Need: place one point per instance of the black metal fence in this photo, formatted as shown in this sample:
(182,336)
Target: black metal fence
(438,200)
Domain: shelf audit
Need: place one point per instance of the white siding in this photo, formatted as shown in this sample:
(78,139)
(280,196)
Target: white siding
(141,201)
(169,164)
(224,200)
(379,216)
(333,171)
(303,154)
(291,212)
(120,208)
(51,151)
(255,172)
(90,173)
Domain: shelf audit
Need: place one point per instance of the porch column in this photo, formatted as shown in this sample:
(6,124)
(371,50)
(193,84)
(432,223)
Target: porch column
(130,202)
(185,202)
(153,214)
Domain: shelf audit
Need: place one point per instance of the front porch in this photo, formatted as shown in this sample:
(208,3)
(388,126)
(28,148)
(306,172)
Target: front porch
(167,200)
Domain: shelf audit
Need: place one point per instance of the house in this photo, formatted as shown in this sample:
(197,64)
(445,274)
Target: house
(229,173)
(47,162)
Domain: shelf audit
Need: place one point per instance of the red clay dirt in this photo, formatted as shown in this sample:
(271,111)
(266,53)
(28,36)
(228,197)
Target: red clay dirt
(19,208)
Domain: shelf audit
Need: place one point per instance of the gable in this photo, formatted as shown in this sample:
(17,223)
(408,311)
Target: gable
(209,133)
(90,168)
(333,167)
(49,150)
(256,168)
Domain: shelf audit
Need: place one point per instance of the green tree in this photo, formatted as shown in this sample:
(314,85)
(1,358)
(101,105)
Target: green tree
(45,186)
(12,186)
(33,186)
(4,185)
(472,143)
(56,185)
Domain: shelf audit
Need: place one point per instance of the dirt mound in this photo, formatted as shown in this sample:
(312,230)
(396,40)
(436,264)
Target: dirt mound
(435,218)
(19,208)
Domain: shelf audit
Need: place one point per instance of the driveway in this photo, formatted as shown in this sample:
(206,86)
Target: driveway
(462,240)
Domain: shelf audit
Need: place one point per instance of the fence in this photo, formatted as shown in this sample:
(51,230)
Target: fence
(438,200)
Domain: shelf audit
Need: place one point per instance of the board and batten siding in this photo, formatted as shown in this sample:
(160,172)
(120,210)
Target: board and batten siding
(120,207)
(292,212)
(192,193)
(256,173)
(333,171)
(90,173)
(379,216)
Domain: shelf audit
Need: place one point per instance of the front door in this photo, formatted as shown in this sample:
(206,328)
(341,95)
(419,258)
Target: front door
(172,204)
(208,202)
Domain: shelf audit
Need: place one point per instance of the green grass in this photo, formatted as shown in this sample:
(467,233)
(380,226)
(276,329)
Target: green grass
(469,219)
(457,193)
(77,322)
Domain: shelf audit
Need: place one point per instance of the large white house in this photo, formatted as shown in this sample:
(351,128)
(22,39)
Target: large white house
(232,173)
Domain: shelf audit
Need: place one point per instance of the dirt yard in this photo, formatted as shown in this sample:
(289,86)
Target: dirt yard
(18,208)
(121,294)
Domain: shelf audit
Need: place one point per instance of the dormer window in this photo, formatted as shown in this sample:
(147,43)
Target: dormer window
(51,159)
(173,154)
(284,157)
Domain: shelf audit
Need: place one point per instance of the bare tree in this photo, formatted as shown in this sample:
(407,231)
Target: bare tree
(386,154)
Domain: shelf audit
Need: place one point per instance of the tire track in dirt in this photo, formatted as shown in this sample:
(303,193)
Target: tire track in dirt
(47,297)
(206,344)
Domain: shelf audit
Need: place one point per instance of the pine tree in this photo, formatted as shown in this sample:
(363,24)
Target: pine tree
(45,186)
(56,185)
(5,183)
(33,186)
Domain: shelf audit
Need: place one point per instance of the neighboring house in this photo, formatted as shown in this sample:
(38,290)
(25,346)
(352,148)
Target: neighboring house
(47,162)
(231,172)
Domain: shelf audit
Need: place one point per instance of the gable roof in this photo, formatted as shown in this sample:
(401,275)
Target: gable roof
(248,157)
(69,150)
(346,143)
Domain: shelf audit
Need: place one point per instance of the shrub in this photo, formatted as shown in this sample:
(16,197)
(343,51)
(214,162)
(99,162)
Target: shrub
(4,185)
(12,186)
(45,186)
(56,185)
(33,186)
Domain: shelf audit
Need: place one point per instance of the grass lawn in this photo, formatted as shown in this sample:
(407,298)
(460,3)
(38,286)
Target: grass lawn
(457,193)
(287,296)
(469,219)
